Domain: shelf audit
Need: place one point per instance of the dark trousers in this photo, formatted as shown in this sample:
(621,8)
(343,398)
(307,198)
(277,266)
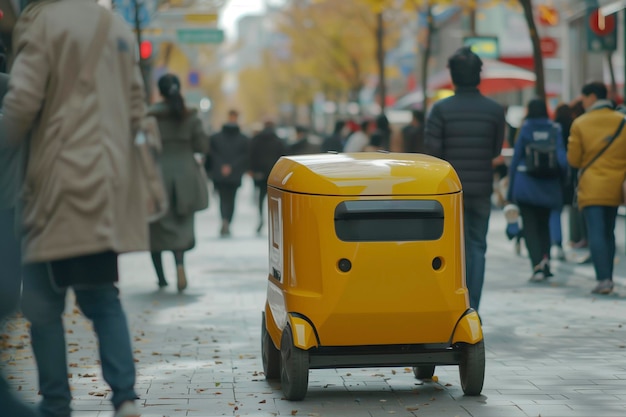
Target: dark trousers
(577,227)
(536,222)
(227,193)
(10,265)
(262,187)
(10,288)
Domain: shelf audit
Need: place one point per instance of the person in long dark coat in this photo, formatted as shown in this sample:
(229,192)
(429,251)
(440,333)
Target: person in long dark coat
(229,161)
(265,149)
(413,134)
(182,135)
(335,141)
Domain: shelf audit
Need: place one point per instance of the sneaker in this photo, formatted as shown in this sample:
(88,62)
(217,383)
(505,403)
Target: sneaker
(546,271)
(585,259)
(511,213)
(128,409)
(557,252)
(538,276)
(225,230)
(604,286)
(579,245)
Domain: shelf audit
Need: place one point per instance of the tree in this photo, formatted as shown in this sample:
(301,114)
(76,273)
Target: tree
(257,94)
(332,46)
(540,82)
(353,36)
(470,6)
(335,46)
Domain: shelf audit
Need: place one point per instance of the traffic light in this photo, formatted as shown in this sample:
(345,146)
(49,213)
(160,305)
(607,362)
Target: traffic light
(145,50)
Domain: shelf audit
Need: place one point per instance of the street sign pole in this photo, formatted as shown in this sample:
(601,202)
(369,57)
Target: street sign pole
(143,64)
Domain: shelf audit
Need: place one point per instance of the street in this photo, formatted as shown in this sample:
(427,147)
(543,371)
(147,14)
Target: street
(553,349)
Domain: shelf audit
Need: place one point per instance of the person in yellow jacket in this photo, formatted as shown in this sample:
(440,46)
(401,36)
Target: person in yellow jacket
(602,165)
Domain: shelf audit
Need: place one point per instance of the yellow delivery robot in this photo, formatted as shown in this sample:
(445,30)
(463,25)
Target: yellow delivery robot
(367,269)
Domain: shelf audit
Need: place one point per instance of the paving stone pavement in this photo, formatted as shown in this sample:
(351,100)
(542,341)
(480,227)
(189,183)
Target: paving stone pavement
(552,349)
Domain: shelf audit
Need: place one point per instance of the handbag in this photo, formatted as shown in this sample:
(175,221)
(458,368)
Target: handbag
(202,196)
(191,194)
(610,140)
(147,148)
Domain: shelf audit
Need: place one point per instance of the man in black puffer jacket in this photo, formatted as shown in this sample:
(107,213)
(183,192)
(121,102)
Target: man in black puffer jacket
(467,130)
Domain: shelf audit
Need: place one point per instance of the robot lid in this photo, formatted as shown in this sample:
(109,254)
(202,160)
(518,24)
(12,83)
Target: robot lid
(364,174)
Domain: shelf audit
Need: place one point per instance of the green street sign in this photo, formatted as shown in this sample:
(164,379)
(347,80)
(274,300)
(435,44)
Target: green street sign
(200,35)
(483,46)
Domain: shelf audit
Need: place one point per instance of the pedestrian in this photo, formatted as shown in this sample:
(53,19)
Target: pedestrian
(383,130)
(413,133)
(10,256)
(228,150)
(535,187)
(265,149)
(335,141)
(597,147)
(376,142)
(358,140)
(75,98)
(302,145)
(563,117)
(500,173)
(577,227)
(467,130)
(182,136)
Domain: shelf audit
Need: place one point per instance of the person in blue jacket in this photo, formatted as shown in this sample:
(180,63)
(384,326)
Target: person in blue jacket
(537,196)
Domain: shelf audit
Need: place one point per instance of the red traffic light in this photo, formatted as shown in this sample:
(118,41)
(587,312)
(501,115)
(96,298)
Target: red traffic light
(145,49)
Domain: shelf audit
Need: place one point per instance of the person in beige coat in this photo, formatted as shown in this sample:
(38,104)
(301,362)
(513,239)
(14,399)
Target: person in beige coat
(602,170)
(75,100)
(182,136)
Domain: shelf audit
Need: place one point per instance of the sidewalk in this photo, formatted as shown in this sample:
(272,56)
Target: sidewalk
(553,349)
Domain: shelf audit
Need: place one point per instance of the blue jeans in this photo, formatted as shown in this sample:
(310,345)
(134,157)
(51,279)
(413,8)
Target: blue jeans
(43,304)
(600,221)
(556,234)
(476,224)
